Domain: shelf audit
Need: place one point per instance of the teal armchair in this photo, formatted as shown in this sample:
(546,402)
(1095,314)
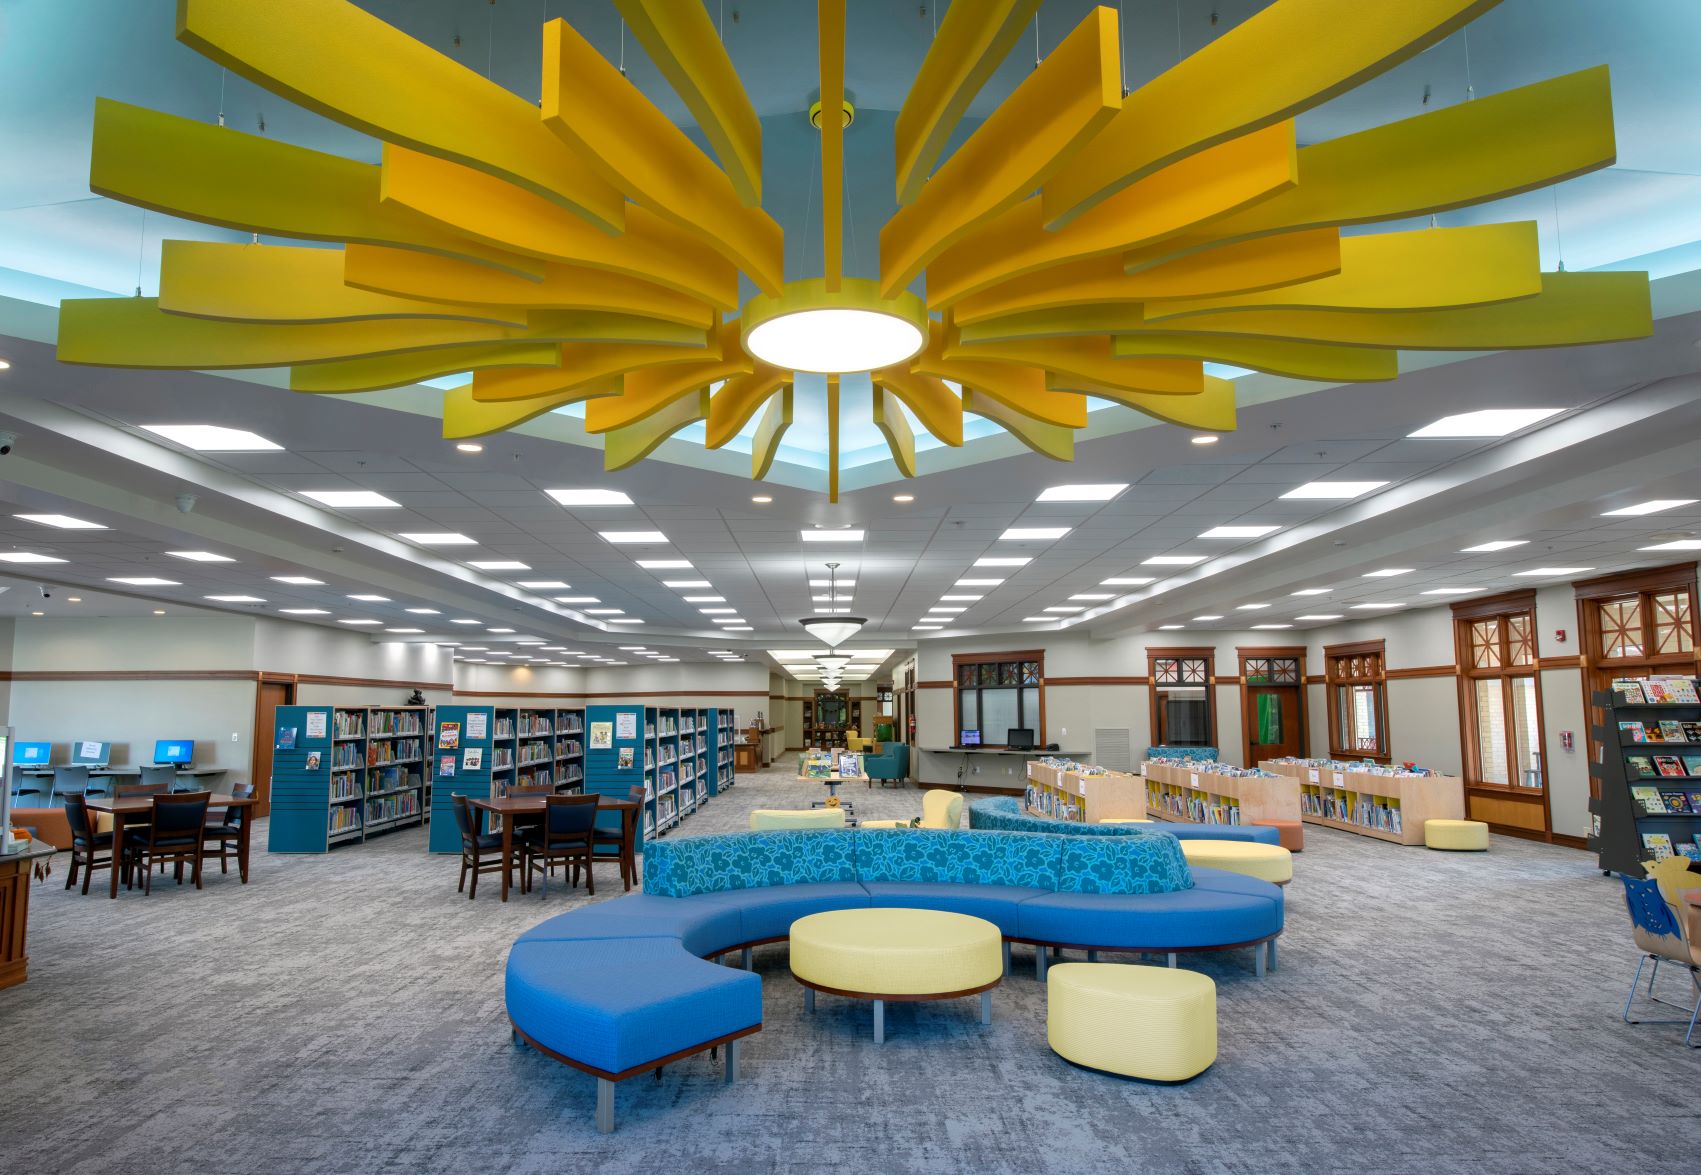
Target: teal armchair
(891,765)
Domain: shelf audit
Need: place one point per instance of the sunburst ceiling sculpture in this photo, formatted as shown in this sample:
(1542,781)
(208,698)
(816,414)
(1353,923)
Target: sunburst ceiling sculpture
(1080,242)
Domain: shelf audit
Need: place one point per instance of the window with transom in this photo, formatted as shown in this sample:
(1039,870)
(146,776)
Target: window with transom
(1272,671)
(1184,704)
(1356,681)
(998,693)
(1501,694)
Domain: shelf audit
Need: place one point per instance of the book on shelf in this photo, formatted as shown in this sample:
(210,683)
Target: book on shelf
(1636,732)
(1642,766)
(1649,800)
(1627,691)
(1670,690)
(1669,765)
(1691,732)
(1657,843)
(1677,802)
(1689,849)
(314,758)
(1671,731)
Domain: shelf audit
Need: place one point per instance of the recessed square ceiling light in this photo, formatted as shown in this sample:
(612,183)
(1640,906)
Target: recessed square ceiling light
(704,599)
(1272,626)
(1002,561)
(1387,573)
(625,620)
(1209,616)
(499,565)
(1312,591)
(1082,493)
(1128,580)
(1040,619)
(1174,560)
(832,536)
(1171,627)
(424,611)
(1336,490)
(304,611)
(235,599)
(589,497)
(824,598)
(718,611)
(298,580)
(978,583)
(212,438)
(1456,591)
(1017,534)
(725,620)
(633,536)
(1485,422)
(1093,596)
(465,620)
(663,564)
(438,538)
(603,612)
(577,600)
(360,622)
(405,630)
(821,583)
(1675,545)
(1650,507)
(947,609)
(501,630)
(1375,607)
(1495,545)
(1064,608)
(61,521)
(201,556)
(686,583)
(1239,532)
(366,598)
(1249,607)
(1320,616)
(351,499)
(958,598)
(28,557)
(1534,571)
(138,580)
(542,584)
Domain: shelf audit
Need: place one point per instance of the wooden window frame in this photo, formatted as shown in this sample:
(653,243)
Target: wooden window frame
(960,659)
(1500,607)
(1205,653)
(1289,652)
(1332,655)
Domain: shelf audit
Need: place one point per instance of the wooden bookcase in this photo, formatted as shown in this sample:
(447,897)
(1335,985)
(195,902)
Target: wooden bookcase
(1086,799)
(1623,822)
(1193,794)
(819,733)
(1387,807)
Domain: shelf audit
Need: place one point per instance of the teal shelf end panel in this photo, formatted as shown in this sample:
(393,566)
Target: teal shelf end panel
(721,734)
(301,781)
(614,761)
(460,766)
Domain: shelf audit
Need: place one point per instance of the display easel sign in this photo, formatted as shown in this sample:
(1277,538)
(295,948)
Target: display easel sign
(626,724)
(478,725)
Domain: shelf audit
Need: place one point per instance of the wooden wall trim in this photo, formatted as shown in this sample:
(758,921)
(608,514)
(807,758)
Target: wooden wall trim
(586,696)
(1571,662)
(1354,648)
(1624,583)
(375,682)
(935,685)
(129,675)
(1496,605)
(1098,681)
(1414,671)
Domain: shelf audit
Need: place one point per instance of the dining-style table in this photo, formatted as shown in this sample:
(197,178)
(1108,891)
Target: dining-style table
(508,807)
(134,810)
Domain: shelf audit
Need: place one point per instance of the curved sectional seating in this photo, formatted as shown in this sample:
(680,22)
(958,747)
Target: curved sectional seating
(1005,814)
(621,987)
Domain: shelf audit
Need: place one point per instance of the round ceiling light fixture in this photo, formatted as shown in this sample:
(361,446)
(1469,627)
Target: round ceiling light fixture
(833,630)
(807,328)
(832,662)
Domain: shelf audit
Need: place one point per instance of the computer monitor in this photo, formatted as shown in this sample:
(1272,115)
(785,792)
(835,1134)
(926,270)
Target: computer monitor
(179,752)
(971,738)
(32,754)
(88,752)
(1020,738)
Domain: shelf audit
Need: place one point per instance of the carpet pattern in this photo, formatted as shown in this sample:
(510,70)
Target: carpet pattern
(343,1013)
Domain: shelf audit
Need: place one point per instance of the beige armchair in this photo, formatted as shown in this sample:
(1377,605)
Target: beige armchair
(939,809)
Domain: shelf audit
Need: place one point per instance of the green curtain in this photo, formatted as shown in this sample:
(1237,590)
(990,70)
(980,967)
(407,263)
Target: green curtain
(1269,719)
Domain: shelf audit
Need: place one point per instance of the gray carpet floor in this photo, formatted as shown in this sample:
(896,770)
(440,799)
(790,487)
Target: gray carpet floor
(343,1013)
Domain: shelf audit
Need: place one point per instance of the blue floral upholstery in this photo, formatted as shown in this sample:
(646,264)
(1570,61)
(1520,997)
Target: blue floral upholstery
(747,860)
(977,858)
(1148,863)
(1005,814)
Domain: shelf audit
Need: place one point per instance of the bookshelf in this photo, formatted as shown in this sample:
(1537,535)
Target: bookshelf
(341,774)
(1193,793)
(1065,794)
(1649,788)
(827,716)
(457,731)
(603,771)
(721,738)
(1382,803)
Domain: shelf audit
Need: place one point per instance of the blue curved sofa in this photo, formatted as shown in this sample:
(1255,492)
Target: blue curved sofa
(1005,814)
(624,986)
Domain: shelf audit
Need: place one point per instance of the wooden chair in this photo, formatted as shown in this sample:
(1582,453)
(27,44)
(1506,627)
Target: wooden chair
(86,843)
(175,836)
(474,847)
(223,833)
(605,839)
(568,825)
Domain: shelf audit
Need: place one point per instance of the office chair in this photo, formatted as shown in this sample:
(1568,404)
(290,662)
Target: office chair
(166,775)
(24,785)
(70,781)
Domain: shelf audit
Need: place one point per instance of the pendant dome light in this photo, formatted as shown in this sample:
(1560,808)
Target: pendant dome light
(833,631)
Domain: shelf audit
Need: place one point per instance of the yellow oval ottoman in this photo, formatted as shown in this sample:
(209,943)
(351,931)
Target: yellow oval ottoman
(1253,858)
(1456,836)
(763,818)
(1154,1023)
(885,954)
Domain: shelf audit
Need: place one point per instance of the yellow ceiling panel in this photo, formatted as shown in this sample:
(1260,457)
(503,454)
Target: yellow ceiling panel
(410,367)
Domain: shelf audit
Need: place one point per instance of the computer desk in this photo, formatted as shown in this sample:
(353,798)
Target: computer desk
(183,773)
(965,752)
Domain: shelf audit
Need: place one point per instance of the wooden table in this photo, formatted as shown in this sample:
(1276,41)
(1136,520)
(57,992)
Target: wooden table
(126,810)
(510,806)
(15,869)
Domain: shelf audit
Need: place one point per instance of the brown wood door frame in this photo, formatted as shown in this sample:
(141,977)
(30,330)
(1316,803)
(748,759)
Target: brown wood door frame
(1156,696)
(260,760)
(1496,799)
(1295,651)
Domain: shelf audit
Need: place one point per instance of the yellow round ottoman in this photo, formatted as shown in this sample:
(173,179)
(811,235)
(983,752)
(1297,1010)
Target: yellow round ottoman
(764,818)
(1154,1023)
(1265,862)
(891,954)
(1456,836)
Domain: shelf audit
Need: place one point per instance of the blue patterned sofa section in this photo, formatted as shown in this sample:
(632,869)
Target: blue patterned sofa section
(618,987)
(1202,754)
(1004,814)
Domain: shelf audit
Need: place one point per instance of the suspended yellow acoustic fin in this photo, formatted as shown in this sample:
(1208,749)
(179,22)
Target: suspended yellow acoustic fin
(1300,360)
(464,416)
(339,61)
(766,444)
(1050,117)
(1089,357)
(1019,387)
(1049,440)
(889,418)
(411,367)
(971,42)
(939,409)
(731,408)
(649,390)
(580,364)
(631,443)
(1212,409)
